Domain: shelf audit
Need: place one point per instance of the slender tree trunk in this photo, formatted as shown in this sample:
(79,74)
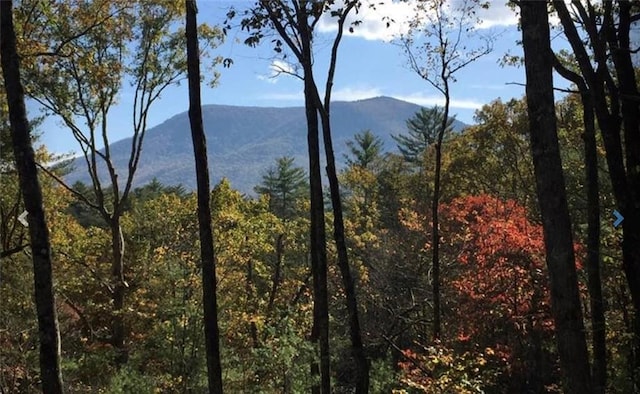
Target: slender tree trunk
(620,46)
(207,254)
(565,298)
(435,241)
(320,331)
(362,364)
(48,331)
(594,281)
(118,333)
(276,278)
(615,106)
(253,328)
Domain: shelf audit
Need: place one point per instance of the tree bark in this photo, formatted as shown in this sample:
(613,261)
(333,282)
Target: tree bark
(118,333)
(594,280)
(615,107)
(435,241)
(619,45)
(48,330)
(348,282)
(550,186)
(320,331)
(357,347)
(207,254)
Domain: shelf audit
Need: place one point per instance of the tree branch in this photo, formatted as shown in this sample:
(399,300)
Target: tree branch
(62,183)
(12,251)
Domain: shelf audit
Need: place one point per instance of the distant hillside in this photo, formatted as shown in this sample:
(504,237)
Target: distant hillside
(244,141)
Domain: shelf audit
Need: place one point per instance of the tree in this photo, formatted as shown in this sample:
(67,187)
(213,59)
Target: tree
(592,191)
(365,148)
(360,176)
(550,187)
(77,72)
(604,58)
(492,156)
(49,334)
(499,287)
(284,184)
(423,131)
(207,254)
(295,21)
(437,48)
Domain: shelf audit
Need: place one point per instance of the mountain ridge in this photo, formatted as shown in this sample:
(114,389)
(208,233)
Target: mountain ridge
(242,142)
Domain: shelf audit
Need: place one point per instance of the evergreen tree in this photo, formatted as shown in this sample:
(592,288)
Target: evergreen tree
(423,130)
(365,149)
(284,184)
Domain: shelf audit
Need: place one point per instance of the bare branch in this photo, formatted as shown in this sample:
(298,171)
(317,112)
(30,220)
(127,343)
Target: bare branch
(57,51)
(62,183)
(12,251)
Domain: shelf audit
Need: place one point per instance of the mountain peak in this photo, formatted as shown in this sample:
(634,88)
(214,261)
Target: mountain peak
(245,141)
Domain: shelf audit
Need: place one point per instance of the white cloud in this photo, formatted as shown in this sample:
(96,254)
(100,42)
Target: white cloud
(498,14)
(373,26)
(276,69)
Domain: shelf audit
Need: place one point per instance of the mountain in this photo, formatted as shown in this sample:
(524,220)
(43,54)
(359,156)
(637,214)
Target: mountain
(243,142)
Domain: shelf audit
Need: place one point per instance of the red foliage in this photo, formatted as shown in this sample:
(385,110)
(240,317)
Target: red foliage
(498,276)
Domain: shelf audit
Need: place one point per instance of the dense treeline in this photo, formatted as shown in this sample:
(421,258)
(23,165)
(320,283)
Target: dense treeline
(497,326)
(344,288)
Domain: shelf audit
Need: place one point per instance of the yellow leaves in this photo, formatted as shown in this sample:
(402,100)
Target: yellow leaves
(412,220)
(159,252)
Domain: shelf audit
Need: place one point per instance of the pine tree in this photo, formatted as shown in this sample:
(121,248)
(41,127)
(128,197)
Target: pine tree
(284,184)
(422,132)
(365,149)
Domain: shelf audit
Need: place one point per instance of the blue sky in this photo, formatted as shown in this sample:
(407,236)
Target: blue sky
(368,66)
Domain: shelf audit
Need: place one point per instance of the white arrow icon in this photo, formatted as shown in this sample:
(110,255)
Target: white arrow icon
(23,218)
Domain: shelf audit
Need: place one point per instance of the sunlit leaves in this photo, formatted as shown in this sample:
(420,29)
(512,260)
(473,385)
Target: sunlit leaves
(438,369)
(492,156)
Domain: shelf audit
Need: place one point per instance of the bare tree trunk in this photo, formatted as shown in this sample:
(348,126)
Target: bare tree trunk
(362,364)
(615,106)
(435,241)
(48,331)
(207,254)
(276,278)
(320,331)
(620,47)
(118,333)
(565,298)
(594,281)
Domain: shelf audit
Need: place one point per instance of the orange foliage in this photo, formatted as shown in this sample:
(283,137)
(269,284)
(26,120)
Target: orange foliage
(499,276)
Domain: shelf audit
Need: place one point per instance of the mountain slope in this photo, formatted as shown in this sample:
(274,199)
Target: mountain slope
(243,142)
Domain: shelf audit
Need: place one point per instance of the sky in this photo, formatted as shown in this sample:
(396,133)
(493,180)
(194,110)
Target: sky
(370,63)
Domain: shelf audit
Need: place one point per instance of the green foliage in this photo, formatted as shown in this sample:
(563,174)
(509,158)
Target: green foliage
(423,130)
(498,334)
(493,156)
(285,185)
(128,381)
(365,149)
(383,375)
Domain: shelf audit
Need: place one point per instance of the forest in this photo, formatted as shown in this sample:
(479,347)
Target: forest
(504,258)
